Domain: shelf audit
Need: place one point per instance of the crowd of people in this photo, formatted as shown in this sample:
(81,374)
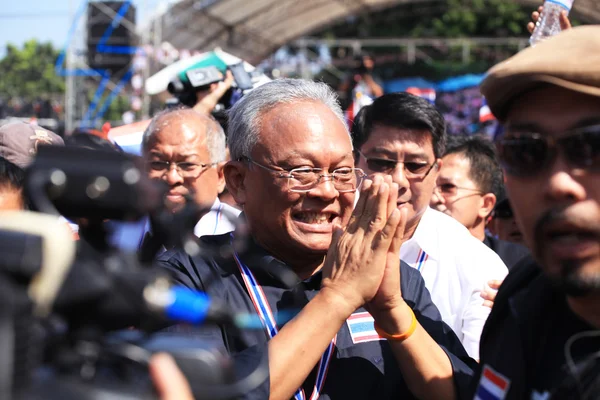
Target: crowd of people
(396,234)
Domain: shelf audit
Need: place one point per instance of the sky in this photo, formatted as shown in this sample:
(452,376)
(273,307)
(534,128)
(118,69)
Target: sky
(47,20)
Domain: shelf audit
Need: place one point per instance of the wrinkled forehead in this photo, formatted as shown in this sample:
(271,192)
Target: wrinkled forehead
(179,130)
(456,164)
(302,128)
(552,110)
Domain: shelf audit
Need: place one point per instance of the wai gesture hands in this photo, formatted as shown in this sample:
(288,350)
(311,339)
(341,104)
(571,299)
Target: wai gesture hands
(362,264)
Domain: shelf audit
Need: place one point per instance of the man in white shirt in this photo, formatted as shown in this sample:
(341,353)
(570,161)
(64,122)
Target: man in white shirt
(186,150)
(404,136)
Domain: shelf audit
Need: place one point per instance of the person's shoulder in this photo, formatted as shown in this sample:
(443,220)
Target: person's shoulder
(409,274)
(230,211)
(207,247)
(467,249)
(522,282)
(203,264)
(514,248)
(445,221)
(510,253)
(450,230)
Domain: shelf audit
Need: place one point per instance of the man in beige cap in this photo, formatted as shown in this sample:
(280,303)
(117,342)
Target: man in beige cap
(18,145)
(542,338)
(19,142)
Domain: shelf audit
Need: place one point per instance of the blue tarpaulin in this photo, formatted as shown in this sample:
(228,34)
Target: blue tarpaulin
(400,85)
(449,85)
(459,83)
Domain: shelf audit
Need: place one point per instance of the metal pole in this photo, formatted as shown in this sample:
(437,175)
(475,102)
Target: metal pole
(411,53)
(146,40)
(466,52)
(70,85)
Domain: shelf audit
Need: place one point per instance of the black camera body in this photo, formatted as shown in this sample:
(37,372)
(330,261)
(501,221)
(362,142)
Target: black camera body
(191,81)
(80,320)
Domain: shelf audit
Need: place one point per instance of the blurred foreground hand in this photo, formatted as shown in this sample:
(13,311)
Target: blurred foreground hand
(168,379)
(565,23)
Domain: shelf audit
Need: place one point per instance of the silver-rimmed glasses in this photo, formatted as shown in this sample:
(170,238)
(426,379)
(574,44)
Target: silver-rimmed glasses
(184,169)
(303,179)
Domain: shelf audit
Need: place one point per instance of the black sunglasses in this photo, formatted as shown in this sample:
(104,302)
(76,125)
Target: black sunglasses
(526,154)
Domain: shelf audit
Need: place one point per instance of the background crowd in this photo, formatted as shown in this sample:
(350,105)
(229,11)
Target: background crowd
(397,218)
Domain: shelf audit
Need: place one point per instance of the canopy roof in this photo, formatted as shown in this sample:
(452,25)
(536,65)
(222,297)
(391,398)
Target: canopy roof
(253,29)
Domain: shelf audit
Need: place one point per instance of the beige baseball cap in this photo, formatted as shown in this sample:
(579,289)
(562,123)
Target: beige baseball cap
(19,142)
(570,60)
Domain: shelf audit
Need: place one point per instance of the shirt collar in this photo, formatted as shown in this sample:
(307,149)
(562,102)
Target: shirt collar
(425,235)
(272,271)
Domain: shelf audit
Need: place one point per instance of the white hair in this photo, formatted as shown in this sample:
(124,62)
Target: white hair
(215,137)
(244,116)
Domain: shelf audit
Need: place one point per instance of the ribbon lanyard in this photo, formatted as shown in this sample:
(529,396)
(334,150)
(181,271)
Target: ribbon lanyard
(269,323)
(421,258)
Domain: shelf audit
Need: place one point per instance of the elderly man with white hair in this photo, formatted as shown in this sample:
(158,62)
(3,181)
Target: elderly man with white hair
(187,151)
(364,324)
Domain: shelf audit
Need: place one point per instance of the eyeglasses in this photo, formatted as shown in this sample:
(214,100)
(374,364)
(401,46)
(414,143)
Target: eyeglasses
(450,190)
(303,179)
(526,154)
(184,169)
(412,169)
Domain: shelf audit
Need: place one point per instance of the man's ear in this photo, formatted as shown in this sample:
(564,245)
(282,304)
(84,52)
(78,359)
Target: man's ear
(220,177)
(235,177)
(488,202)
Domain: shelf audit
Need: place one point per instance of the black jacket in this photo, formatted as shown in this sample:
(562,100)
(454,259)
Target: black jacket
(510,253)
(525,339)
(365,370)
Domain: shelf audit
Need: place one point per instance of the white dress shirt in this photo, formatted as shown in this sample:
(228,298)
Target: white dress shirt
(219,220)
(456,268)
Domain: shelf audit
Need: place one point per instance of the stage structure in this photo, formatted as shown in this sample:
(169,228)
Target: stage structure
(249,29)
(254,29)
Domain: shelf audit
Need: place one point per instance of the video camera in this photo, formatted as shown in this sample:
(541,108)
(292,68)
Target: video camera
(69,308)
(199,78)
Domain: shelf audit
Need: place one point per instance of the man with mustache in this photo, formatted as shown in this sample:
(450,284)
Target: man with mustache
(186,150)
(542,338)
(467,189)
(403,137)
(365,324)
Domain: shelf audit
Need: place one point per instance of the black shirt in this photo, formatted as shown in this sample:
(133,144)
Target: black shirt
(510,253)
(525,339)
(357,371)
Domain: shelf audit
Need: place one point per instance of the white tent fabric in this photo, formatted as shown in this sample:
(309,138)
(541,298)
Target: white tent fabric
(253,29)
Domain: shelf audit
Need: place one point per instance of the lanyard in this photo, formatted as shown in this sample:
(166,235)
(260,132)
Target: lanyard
(421,258)
(266,316)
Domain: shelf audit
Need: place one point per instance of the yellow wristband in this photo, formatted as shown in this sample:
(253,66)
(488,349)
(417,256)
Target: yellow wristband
(401,337)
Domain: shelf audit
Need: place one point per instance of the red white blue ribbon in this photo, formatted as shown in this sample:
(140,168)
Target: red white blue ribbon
(265,314)
(421,258)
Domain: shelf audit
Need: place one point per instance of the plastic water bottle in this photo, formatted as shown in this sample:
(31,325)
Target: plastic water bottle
(548,24)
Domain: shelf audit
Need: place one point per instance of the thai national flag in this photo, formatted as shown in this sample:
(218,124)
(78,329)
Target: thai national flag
(427,93)
(492,385)
(362,328)
(485,114)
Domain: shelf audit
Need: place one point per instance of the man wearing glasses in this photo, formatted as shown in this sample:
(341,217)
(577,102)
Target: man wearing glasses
(186,150)
(468,186)
(503,223)
(302,252)
(542,338)
(403,136)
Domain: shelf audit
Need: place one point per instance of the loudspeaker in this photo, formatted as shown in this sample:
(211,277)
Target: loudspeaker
(112,53)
